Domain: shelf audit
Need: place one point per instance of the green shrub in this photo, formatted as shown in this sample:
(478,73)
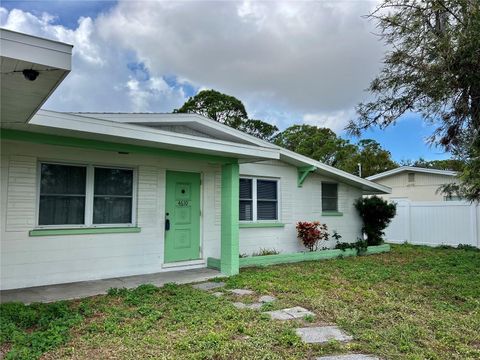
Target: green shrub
(360,245)
(343,245)
(376,214)
(467,247)
(336,236)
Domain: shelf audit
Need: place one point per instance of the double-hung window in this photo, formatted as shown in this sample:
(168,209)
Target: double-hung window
(329,197)
(85,195)
(258,199)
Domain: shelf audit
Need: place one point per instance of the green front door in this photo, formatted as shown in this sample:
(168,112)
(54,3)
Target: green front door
(182,222)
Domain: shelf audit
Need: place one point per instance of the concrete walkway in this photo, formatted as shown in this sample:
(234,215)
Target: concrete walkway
(83,289)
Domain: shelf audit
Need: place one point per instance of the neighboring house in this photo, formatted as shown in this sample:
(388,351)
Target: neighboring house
(416,184)
(94,195)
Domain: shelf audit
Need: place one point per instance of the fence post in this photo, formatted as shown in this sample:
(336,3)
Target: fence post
(474,226)
(409,222)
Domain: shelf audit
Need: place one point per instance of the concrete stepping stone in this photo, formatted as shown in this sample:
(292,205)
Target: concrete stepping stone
(209,285)
(239,305)
(348,357)
(218,294)
(267,299)
(254,306)
(241,292)
(296,312)
(322,334)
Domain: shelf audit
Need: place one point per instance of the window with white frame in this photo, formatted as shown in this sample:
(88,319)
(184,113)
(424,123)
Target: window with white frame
(85,195)
(258,199)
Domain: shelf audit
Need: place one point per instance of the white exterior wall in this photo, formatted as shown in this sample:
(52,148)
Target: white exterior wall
(31,261)
(42,260)
(299,204)
(424,188)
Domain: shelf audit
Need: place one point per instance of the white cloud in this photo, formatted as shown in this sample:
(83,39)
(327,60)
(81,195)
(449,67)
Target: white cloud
(335,120)
(288,61)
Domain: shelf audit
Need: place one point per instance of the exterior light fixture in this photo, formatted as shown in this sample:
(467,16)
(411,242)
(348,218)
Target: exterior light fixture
(30,75)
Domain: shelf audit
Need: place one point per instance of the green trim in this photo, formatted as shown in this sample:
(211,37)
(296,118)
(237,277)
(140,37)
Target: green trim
(303,172)
(332,213)
(83,231)
(298,257)
(213,263)
(261,225)
(229,247)
(18,135)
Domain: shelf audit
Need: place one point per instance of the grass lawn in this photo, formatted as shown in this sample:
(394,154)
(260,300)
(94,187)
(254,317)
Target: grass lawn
(412,303)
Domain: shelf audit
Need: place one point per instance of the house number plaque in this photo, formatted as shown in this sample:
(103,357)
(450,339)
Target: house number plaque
(183,203)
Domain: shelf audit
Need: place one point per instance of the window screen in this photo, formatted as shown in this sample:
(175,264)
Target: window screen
(411,177)
(62,194)
(246,200)
(266,200)
(329,197)
(113,195)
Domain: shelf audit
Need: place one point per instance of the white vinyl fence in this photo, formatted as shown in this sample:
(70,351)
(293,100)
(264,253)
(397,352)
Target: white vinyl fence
(435,223)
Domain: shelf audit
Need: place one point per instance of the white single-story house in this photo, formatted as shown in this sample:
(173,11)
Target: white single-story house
(89,196)
(415,183)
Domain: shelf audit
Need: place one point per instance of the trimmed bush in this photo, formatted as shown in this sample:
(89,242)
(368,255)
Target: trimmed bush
(376,214)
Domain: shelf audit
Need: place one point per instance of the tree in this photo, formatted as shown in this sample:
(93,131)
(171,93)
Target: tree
(259,128)
(448,164)
(321,144)
(324,145)
(227,110)
(432,68)
(372,157)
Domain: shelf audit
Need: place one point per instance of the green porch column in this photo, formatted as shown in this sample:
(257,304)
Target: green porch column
(229,262)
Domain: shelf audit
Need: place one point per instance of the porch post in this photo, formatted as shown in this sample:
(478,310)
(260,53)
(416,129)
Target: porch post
(229,263)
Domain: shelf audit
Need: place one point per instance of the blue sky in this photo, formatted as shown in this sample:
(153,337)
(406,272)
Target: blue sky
(66,11)
(289,62)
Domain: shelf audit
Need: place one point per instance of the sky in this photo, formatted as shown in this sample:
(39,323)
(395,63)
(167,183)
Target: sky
(295,62)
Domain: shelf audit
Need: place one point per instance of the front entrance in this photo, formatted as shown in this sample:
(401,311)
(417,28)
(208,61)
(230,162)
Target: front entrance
(182,216)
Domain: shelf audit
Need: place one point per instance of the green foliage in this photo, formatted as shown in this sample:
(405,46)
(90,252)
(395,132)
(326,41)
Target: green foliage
(258,128)
(448,164)
(37,328)
(344,245)
(336,236)
(360,245)
(467,247)
(376,214)
(264,251)
(220,107)
(413,303)
(373,158)
(324,145)
(227,110)
(321,144)
(431,68)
